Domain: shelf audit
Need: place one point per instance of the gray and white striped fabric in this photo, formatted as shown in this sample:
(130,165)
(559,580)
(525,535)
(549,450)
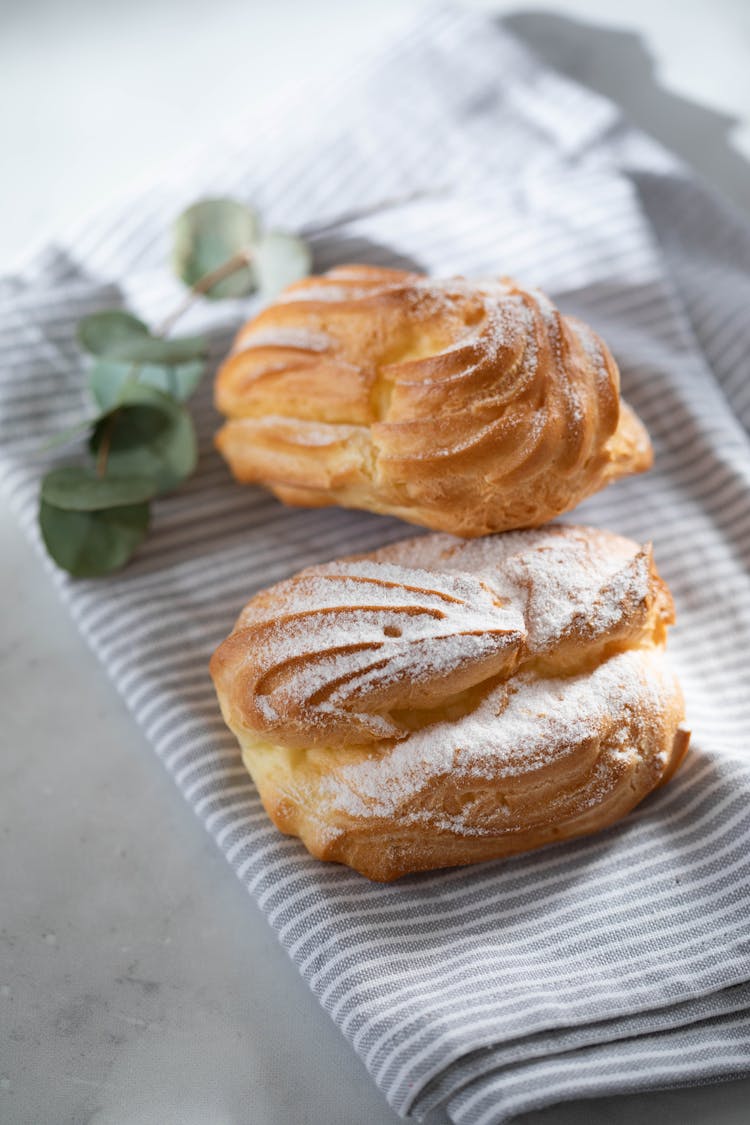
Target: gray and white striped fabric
(610,964)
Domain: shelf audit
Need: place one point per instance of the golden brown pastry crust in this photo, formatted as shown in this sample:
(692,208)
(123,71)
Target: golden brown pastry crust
(468,408)
(440,701)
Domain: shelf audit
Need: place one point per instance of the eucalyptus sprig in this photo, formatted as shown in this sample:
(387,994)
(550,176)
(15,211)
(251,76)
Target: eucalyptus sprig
(142,441)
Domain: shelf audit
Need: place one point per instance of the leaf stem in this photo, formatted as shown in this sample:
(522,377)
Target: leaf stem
(102,454)
(238,261)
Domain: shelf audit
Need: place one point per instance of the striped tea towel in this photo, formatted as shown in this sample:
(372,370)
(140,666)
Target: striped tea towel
(615,963)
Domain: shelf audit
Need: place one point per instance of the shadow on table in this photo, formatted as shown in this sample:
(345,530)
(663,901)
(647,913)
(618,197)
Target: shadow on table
(618,64)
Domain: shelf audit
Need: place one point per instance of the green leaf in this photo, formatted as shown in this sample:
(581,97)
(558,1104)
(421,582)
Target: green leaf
(119,335)
(278,260)
(106,333)
(89,544)
(206,236)
(107,378)
(79,489)
(149,435)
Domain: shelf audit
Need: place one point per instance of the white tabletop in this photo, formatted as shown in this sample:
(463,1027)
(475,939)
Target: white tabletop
(135,992)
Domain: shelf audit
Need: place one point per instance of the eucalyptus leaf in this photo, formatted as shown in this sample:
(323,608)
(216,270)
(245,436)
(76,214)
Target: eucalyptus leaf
(206,236)
(106,333)
(149,435)
(107,378)
(78,489)
(89,544)
(118,335)
(280,259)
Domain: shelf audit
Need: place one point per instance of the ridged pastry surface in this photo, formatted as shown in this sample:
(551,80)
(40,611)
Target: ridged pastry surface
(465,407)
(443,701)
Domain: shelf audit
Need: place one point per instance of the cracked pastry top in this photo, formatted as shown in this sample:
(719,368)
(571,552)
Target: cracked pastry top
(467,407)
(444,701)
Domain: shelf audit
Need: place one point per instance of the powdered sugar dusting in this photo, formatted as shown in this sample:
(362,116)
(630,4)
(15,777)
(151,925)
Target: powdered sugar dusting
(592,346)
(338,653)
(548,719)
(337,641)
(494,398)
(561,577)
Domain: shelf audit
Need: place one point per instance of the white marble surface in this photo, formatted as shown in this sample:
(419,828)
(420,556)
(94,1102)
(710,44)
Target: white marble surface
(138,984)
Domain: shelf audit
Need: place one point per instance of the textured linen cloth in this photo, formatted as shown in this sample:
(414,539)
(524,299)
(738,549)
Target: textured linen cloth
(609,964)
